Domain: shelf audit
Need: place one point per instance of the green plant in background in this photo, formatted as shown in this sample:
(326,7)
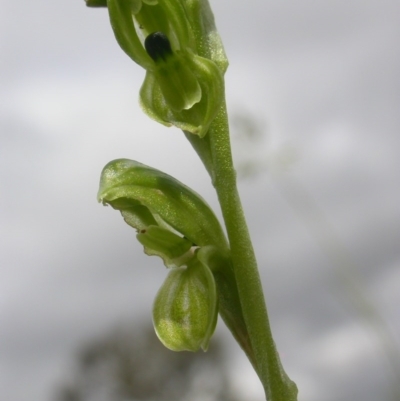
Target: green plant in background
(176,42)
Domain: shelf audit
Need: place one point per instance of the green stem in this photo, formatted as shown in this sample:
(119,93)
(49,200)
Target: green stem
(202,147)
(277,385)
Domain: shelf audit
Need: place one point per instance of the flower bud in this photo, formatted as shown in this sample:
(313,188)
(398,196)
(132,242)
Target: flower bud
(185,308)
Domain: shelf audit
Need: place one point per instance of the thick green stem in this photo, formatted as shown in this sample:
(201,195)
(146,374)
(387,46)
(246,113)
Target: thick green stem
(277,386)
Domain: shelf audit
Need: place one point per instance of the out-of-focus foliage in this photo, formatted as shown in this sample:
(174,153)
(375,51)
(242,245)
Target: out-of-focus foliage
(131,364)
(254,152)
(255,156)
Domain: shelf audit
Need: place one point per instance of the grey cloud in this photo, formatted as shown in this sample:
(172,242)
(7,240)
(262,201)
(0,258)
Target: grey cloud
(322,77)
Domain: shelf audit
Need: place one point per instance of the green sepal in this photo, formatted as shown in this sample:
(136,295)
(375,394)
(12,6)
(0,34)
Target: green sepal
(185,308)
(169,17)
(125,32)
(178,84)
(126,184)
(179,22)
(208,42)
(159,241)
(152,18)
(196,119)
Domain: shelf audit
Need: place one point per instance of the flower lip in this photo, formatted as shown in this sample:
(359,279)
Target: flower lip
(158,46)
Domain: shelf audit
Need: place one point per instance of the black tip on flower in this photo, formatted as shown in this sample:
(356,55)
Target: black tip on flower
(157,46)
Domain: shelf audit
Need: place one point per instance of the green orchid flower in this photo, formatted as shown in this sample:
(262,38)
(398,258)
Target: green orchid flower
(176,224)
(169,217)
(184,90)
(184,83)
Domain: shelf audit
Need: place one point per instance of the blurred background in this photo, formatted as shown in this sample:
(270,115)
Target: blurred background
(314,98)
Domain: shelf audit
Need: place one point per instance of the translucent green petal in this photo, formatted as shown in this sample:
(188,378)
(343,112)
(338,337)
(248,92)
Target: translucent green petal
(152,18)
(178,84)
(195,119)
(152,100)
(179,22)
(134,214)
(211,81)
(164,243)
(185,308)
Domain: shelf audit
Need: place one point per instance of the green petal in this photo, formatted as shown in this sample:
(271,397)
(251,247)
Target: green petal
(177,16)
(125,32)
(161,242)
(134,214)
(185,308)
(135,6)
(152,100)
(152,18)
(178,84)
(197,118)
(201,115)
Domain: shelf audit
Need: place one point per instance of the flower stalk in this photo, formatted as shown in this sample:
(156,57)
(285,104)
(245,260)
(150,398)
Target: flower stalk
(277,385)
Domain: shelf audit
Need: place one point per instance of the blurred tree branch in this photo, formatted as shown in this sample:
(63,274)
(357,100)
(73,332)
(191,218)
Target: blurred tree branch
(132,364)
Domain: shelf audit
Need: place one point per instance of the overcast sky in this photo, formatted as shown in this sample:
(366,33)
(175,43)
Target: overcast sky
(320,81)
